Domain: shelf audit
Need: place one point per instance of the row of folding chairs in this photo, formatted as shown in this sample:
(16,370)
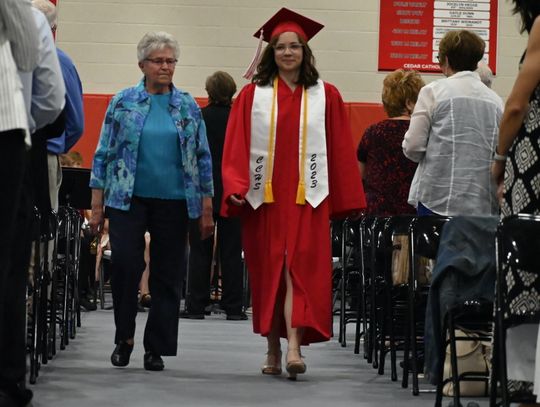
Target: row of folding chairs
(54,314)
(390,317)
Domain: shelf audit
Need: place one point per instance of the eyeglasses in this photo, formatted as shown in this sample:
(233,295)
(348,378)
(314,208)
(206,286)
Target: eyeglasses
(282,48)
(160,61)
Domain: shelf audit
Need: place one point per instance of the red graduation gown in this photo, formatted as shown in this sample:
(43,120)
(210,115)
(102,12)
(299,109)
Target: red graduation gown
(283,232)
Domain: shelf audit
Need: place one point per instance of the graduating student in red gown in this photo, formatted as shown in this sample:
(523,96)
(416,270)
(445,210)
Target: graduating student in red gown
(288,167)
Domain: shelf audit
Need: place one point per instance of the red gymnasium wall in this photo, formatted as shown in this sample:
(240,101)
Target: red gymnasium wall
(361,115)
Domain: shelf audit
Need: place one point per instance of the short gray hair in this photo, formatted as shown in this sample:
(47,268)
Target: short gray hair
(154,41)
(49,9)
(486,75)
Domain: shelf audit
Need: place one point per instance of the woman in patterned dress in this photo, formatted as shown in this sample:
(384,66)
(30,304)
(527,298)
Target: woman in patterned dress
(516,169)
(386,172)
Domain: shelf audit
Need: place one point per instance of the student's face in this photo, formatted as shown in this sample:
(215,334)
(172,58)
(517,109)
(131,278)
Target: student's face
(288,52)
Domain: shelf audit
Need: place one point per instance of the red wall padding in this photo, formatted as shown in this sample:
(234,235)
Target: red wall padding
(361,115)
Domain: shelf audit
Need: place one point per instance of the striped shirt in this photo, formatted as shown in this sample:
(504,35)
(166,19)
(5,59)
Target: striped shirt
(43,88)
(18,50)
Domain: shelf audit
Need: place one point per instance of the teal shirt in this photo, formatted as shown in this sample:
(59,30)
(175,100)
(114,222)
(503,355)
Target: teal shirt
(159,162)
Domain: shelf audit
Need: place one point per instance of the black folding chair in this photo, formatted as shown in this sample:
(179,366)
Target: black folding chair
(41,322)
(364,263)
(392,309)
(75,194)
(34,323)
(424,237)
(467,266)
(376,288)
(518,248)
(346,275)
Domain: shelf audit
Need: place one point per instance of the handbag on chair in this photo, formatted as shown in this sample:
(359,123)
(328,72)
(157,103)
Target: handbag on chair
(472,356)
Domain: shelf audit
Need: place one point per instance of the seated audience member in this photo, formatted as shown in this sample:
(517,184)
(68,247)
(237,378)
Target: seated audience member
(76,159)
(104,244)
(386,172)
(65,160)
(453,133)
(87,266)
(221,88)
(145,299)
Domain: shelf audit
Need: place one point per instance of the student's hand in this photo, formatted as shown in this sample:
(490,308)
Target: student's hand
(237,200)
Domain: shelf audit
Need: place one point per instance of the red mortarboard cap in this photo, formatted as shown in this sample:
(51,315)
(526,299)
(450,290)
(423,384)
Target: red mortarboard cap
(286,20)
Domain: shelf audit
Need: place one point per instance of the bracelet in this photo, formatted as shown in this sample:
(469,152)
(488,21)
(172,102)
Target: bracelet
(499,157)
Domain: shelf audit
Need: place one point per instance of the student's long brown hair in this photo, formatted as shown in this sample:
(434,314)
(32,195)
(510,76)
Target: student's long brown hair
(267,68)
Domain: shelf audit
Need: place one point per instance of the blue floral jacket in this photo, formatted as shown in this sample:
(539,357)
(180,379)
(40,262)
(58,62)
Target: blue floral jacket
(115,160)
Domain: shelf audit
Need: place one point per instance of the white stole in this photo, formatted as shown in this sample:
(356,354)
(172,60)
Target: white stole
(315,156)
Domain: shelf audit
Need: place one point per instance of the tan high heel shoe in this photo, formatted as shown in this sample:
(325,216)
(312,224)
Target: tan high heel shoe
(272,365)
(295,366)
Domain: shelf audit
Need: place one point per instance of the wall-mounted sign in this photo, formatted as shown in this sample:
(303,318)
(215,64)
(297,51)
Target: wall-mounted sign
(410,30)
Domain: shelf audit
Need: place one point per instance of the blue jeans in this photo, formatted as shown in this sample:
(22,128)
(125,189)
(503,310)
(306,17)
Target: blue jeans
(421,210)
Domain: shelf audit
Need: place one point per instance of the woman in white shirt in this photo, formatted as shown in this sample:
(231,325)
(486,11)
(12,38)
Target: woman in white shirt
(453,133)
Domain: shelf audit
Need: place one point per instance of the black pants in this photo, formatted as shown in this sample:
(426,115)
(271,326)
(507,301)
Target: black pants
(87,268)
(166,220)
(15,237)
(229,251)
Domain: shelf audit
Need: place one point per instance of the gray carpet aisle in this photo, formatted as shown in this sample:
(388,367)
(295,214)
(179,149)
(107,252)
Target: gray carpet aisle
(218,365)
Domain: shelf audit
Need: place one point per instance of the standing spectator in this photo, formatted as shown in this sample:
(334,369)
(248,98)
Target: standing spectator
(221,88)
(73,111)
(44,89)
(76,159)
(386,172)
(43,94)
(61,140)
(516,169)
(286,173)
(453,131)
(155,134)
(19,47)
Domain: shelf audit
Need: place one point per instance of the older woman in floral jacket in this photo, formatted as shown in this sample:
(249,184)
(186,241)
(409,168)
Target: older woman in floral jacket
(152,171)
